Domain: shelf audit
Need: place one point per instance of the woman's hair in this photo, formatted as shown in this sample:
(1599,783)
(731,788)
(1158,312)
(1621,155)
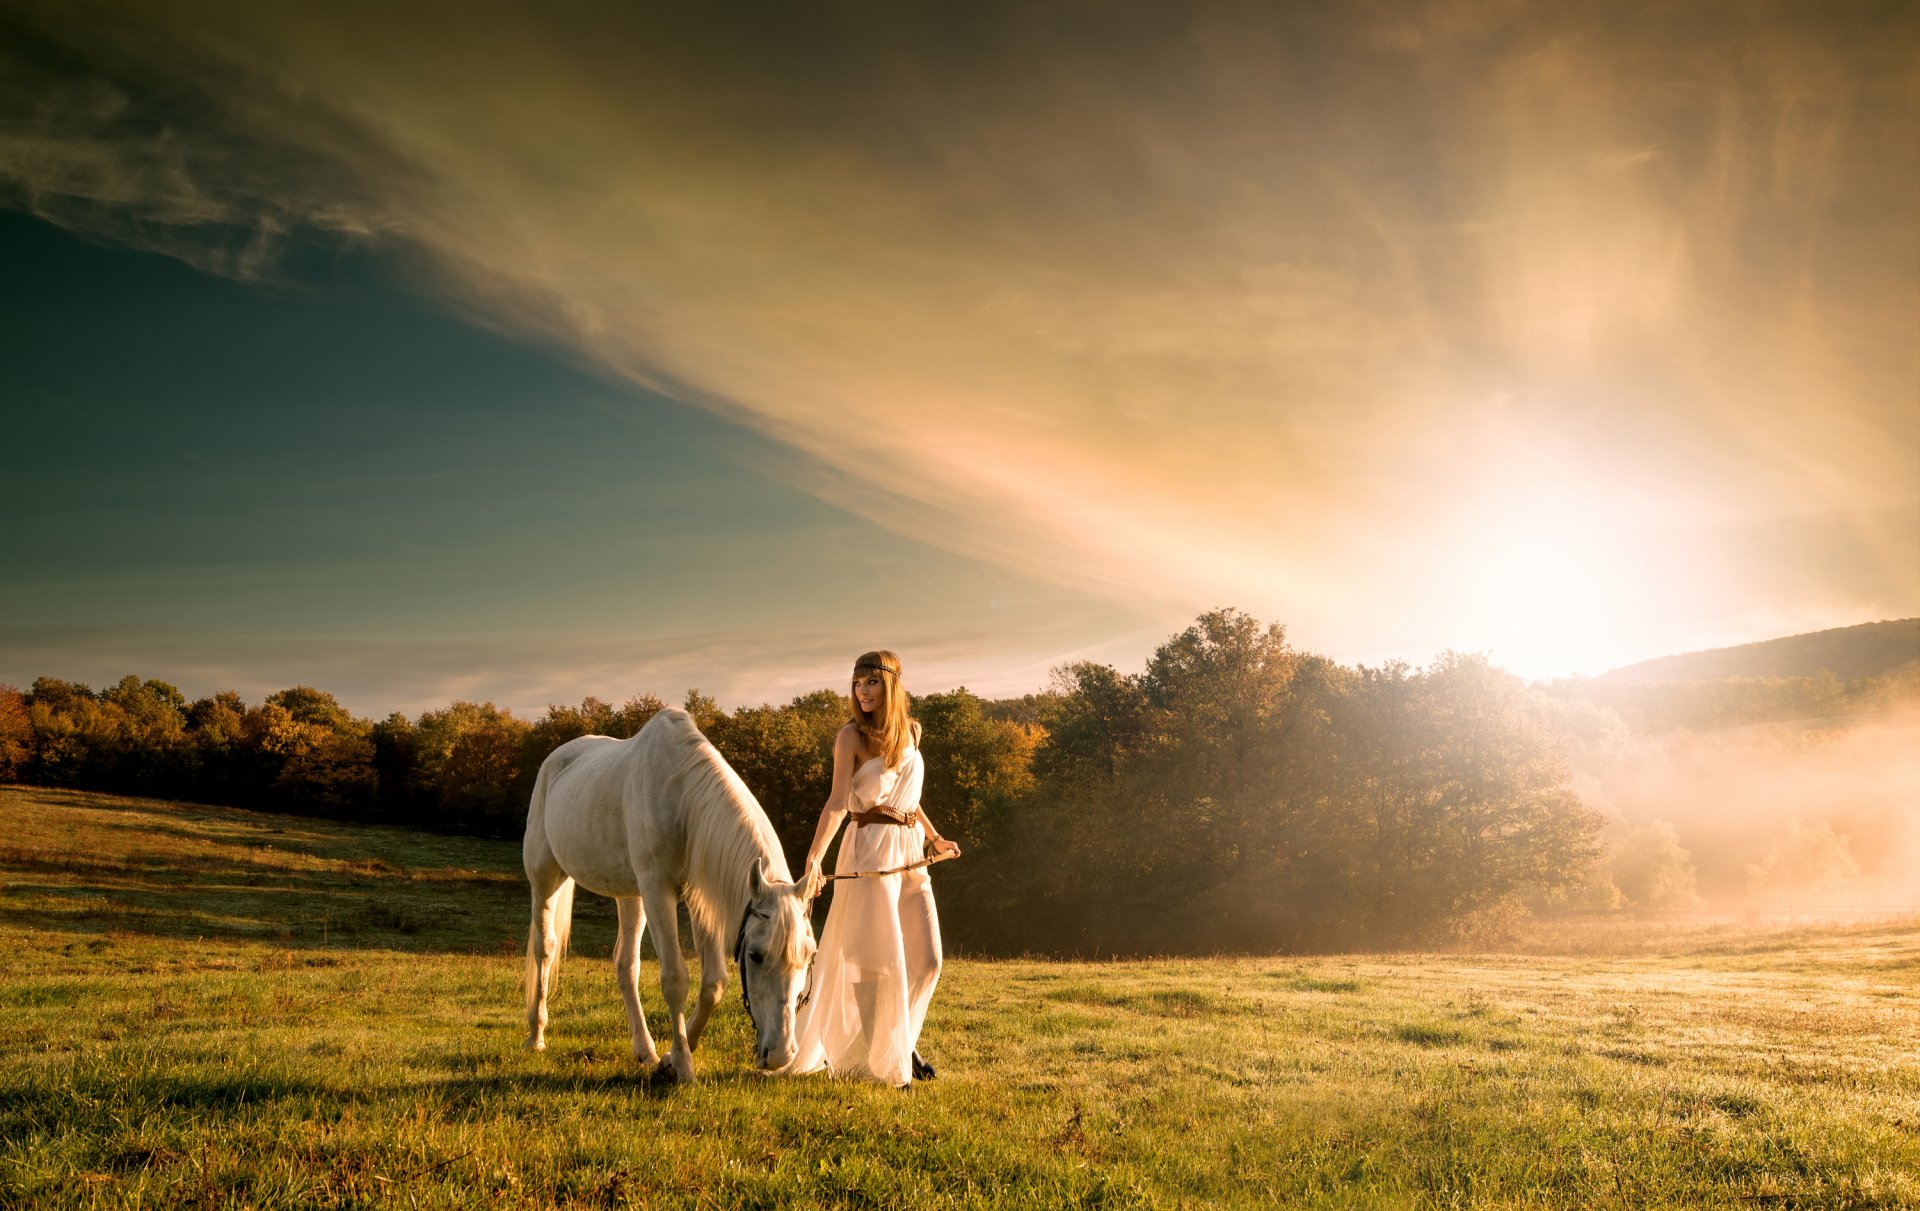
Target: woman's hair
(888,729)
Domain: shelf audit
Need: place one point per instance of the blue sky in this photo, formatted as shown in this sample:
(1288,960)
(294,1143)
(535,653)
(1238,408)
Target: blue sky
(527,352)
(336,482)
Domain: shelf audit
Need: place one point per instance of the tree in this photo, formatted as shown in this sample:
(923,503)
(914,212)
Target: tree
(1653,870)
(785,756)
(77,736)
(1099,719)
(591,718)
(1809,863)
(466,767)
(398,788)
(1458,796)
(325,757)
(224,764)
(705,711)
(314,707)
(16,734)
(973,761)
(333,774)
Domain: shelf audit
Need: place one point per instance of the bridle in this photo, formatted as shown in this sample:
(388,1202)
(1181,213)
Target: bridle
(740,961)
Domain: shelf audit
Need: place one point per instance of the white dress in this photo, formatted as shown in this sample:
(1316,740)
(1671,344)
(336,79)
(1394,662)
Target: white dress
(879,955)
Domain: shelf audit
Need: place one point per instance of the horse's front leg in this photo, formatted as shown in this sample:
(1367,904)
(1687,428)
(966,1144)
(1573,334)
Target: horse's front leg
(663,907)
(626,969)
(713,982)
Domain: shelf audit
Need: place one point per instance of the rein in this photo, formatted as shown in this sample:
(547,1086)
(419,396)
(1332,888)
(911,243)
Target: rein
(874,874)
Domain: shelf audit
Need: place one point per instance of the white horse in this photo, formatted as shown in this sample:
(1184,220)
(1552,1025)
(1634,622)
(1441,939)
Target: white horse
(650,821)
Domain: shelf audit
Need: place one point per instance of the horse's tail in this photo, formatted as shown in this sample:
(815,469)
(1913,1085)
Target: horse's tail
(536,854)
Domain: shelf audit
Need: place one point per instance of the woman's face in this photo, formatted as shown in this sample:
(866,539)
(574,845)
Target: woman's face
(870,691)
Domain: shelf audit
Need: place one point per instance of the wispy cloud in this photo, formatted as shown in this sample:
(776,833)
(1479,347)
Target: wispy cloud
(1317,311)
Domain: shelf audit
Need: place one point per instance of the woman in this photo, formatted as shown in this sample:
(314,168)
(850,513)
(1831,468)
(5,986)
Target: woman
(879,955)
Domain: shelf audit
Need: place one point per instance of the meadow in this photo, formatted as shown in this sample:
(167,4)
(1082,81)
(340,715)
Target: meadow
(209,1007)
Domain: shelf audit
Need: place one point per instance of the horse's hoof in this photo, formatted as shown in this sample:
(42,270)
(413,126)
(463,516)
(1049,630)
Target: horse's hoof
(536,1044)
(665,1074)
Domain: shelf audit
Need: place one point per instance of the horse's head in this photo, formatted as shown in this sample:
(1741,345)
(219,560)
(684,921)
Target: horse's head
(774,950)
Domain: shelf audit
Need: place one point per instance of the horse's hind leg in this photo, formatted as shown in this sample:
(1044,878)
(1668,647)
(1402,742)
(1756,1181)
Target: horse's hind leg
(663,922)
(546,938)
(626,969)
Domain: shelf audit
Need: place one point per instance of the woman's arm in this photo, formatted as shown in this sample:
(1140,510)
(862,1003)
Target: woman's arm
(835,812)
(935,841)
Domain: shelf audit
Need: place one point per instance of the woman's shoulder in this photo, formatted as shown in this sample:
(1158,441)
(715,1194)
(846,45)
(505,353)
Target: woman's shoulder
(913,731)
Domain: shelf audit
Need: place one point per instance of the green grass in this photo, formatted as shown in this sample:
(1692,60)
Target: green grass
(207,1007)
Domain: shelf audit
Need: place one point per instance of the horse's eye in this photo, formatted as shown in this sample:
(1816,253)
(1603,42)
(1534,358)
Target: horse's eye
(757,956)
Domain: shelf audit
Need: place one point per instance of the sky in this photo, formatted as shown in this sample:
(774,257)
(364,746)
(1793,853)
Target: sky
(514,352)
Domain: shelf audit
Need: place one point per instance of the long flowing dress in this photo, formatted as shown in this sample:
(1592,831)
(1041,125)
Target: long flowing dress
(879,956)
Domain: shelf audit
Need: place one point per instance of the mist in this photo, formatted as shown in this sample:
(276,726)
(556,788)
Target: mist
(1818,818)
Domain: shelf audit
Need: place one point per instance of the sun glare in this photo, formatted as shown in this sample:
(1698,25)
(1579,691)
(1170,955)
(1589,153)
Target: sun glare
(1537,601)
(1544,574)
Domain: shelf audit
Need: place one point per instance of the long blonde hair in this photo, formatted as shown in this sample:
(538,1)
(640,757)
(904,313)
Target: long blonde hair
(889,729)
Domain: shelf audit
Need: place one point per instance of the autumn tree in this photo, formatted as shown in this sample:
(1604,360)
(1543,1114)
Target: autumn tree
(785,756)
(16,734)
(466,767)
(563,723)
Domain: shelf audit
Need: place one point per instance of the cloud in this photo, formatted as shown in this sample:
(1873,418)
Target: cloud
(1288,307)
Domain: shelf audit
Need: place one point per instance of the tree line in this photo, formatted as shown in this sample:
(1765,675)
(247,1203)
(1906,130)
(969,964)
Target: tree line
(1729,702)
(1235,794)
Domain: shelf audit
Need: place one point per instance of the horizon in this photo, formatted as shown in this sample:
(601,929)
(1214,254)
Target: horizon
(617,697)
(548,356)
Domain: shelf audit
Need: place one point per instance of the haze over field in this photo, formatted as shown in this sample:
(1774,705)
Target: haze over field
(523,354)
(1775,817)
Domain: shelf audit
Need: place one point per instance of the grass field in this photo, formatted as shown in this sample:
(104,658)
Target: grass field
(207,1007)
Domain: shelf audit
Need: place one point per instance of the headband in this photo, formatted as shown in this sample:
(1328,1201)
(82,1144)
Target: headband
(878,668)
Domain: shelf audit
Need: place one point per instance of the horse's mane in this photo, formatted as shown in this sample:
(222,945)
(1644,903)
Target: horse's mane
(726,832)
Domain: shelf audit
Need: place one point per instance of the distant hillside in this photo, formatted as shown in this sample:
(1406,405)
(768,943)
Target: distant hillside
(1871,649)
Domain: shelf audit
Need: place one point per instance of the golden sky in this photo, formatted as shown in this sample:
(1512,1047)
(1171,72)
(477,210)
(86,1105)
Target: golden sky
(1574,333)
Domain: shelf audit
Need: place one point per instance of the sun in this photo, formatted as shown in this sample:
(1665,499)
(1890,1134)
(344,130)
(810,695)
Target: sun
(1548,578)
(1540,604)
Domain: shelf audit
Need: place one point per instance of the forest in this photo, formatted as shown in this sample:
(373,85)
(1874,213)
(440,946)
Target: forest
(1235,795)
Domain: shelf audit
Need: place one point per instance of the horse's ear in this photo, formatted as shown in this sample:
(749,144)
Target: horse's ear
(757,884)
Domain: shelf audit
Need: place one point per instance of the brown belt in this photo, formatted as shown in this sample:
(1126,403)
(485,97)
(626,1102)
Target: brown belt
(878,816)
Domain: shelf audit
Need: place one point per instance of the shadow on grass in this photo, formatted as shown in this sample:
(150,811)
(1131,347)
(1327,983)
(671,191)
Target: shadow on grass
(289,919)
(161,870)
(103,1102)
(313,836)
(487,1092)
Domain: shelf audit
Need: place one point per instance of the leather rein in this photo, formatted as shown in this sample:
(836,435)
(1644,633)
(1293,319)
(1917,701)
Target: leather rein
(874,874)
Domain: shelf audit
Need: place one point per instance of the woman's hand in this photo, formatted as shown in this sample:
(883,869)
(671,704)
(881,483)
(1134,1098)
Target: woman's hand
(814,881)
(946,847)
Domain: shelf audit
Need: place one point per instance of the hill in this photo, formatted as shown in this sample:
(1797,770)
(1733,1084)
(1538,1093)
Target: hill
(1872,649)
